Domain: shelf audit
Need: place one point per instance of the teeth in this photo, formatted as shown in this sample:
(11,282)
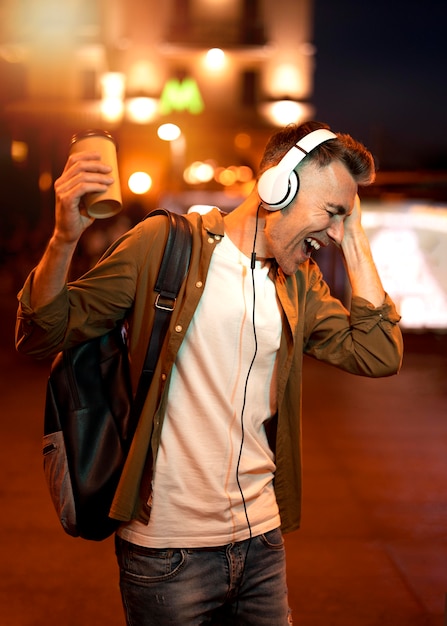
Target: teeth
(313,243)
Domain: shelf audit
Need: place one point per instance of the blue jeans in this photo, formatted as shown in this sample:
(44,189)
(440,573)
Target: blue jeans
(205,586)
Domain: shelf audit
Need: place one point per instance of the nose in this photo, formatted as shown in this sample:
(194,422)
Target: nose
(336,230)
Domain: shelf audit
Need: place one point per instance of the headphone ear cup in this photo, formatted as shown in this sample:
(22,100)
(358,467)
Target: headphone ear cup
(277,187)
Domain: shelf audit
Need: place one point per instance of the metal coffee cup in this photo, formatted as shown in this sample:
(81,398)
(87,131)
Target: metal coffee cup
(107,203)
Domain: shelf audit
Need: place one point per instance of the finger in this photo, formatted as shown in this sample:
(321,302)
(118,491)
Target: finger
(82,182)
(85,162)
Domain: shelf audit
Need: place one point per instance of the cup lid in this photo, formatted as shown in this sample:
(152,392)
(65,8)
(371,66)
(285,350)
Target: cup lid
(92,132)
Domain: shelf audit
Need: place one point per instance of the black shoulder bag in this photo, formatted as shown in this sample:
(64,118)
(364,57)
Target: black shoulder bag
(90,414)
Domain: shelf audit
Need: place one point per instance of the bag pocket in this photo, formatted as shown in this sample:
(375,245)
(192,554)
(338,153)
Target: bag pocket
(56,472)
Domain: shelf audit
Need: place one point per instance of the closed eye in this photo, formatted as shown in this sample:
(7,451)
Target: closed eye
(337,209)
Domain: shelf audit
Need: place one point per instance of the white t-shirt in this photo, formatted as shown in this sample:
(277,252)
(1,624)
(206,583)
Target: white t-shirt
(213,442)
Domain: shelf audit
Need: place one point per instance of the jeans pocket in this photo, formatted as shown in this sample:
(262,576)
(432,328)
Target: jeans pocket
(273,539)
(148,565)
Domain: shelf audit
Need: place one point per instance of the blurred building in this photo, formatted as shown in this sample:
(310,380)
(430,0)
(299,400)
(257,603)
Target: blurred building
(224,71)
(191,89)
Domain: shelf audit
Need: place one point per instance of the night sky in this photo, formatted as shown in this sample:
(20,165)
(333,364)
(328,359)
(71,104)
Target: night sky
(381,75)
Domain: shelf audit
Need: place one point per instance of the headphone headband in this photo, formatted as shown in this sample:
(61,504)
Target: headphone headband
(278,185)
(314,139)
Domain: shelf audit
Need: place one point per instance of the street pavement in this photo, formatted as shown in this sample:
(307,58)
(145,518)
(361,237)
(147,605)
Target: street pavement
(372,550)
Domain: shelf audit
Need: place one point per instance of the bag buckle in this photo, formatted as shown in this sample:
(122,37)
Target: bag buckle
(165,305)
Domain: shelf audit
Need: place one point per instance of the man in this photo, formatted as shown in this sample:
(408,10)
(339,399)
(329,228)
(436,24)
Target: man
(213,477)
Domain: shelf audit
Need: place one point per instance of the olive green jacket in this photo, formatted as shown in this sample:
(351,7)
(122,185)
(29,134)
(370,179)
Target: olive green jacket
(365,341)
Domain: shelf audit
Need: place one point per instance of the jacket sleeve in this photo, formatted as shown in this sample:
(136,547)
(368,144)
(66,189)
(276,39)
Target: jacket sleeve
(365,340)
(85,308)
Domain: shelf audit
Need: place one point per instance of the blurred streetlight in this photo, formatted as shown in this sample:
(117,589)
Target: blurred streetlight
(169,132)
(283,112)
(139,183)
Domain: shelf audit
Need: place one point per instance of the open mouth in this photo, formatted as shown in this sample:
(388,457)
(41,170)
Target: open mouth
(311,245)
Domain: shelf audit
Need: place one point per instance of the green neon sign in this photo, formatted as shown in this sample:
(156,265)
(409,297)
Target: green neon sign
(181,95)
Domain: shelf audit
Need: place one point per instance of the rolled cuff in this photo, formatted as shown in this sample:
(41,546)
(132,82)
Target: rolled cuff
(365,316)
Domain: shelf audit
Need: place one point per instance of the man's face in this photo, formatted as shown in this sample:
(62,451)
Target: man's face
(315,218)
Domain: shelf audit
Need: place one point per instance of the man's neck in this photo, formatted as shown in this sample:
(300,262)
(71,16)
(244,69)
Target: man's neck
(243,224)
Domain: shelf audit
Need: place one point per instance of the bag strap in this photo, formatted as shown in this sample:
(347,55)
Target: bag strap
(173,268)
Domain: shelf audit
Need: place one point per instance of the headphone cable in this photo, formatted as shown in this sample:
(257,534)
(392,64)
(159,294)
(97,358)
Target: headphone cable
(252,267)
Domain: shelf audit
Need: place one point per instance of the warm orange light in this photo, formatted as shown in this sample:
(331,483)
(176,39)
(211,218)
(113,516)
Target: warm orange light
(286,78)
(139,183)
(215,59)
(198,172)
(169,132)
(45,181)
(113,85)
(19,151)
(283,112)
(141,110)
(112,92)
(244,174)
(242,141)
(112,109)
(226,176)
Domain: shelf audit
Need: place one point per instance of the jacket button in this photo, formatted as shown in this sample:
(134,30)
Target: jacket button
(199,284)
(178,328)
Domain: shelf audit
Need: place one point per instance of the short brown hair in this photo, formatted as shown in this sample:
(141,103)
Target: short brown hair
(356,158)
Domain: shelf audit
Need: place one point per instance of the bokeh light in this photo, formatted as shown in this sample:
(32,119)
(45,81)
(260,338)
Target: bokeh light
(169,132)
(139,183)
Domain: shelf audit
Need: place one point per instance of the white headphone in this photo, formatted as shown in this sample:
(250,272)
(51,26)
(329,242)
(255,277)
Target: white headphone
(278,185)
